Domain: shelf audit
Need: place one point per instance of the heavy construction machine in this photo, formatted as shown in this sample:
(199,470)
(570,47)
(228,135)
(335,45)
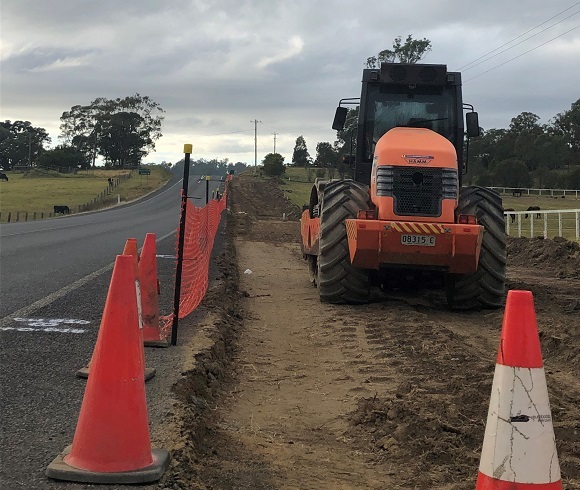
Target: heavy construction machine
(404,220)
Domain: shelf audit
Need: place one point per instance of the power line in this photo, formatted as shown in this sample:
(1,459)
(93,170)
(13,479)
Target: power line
(520,55)
(523,41)
(516,38)
(221,134)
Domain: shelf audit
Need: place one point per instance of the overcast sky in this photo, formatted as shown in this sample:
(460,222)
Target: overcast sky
(214,66)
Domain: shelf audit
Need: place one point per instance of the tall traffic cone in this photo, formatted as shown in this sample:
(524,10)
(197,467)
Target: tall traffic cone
(150,294)
(111,442)
(129,250)
(519,446)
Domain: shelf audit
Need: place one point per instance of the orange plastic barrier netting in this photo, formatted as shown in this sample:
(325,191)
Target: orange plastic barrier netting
(200,230)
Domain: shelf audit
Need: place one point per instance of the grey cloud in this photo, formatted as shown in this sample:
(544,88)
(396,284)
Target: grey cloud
(201,60)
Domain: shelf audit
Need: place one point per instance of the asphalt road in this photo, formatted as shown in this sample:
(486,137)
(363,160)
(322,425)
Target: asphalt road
(54,279)
(40,258)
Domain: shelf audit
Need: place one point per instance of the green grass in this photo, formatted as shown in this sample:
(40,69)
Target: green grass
(545,202)
(39,191)
(296,182)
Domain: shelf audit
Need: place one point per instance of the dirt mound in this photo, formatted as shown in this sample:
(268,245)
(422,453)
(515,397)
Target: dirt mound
(558,255)
(262,198)
(41,173)
(432,422)
(259,210)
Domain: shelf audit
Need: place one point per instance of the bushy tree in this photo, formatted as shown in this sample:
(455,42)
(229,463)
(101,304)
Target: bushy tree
(273,164)
(123,131)
(63,156)
(21,143)
(411,51)
(567,124)
(300,156)
(512,173)
(573,179)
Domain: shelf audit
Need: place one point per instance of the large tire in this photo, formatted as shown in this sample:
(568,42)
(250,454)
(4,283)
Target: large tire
(485,289)
(338,281)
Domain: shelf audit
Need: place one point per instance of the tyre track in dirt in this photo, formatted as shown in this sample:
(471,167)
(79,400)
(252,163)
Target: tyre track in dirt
(392,394)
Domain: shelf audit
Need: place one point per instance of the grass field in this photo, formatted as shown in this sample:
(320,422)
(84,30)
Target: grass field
(297,186)
(298,190)
(39,191)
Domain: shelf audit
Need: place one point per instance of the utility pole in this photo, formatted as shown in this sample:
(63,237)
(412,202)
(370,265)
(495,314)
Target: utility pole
(29,149)
(255,121)
(274,141)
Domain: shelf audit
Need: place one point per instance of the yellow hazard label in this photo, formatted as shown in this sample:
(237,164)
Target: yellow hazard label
(351,230)
(407,227)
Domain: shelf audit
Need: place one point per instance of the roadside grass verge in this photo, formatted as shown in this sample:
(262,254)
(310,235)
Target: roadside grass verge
(34,195)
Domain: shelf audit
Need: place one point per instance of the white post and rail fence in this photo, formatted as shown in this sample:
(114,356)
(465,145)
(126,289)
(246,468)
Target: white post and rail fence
(549,224)
(515,191)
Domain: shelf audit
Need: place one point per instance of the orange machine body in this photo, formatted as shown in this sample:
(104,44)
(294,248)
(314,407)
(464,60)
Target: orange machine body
(407,239)
(385,237)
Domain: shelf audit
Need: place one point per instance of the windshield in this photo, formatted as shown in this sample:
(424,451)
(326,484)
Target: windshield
(389,107)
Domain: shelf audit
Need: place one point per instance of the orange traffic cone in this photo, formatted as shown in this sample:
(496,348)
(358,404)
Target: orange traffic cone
(519,446)
(129,250)
(150,294)
(111,442)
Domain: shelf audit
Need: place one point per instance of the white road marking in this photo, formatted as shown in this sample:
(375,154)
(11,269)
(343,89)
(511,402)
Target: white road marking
(47,329)
(165,256)
(51,298)
(50,322)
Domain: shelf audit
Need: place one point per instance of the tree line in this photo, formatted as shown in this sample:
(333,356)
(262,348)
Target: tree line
(529,154)
(122,131)
(215,166)
(526,154)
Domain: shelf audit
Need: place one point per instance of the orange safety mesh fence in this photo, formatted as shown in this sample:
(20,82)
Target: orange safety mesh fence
(200,230)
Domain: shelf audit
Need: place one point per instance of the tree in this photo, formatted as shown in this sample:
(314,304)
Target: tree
(573,180)
(567,124)
(63,156)
(300,156)
(121,130)
(412,51)
(273,164)
(121,139)
(21,143)
(526,122)
(512,173)
(345,136)
(545,178)
(326,157)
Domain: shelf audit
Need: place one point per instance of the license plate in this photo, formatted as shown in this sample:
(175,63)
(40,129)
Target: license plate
(421,240)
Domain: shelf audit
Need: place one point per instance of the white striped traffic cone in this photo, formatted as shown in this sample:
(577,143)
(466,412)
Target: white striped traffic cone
(519,447)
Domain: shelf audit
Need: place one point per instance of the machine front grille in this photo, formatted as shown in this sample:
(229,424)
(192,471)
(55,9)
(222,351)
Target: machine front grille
(417,191)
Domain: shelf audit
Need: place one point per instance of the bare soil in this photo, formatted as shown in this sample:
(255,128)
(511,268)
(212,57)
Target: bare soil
(393,394)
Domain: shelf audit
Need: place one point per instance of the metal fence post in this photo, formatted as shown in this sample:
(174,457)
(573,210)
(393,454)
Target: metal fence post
(187,149)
